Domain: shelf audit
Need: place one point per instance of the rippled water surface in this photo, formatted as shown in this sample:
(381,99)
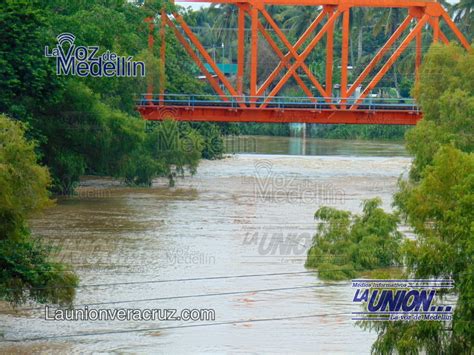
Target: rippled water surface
(246,214)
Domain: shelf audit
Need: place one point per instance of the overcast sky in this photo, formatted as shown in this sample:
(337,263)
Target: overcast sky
(193,4)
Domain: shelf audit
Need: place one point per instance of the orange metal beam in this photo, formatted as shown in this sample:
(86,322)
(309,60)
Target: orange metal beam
(329,55)
(151,43)
(222,114)
(254,52)
(241,51)
(345,52)
(403,26)
(215,85)
(416,30)
(204,53)
(358,3)
(293,53)
(279,53)
(302,57)
(434,21)
(443,37)
(456,31)
(287,57)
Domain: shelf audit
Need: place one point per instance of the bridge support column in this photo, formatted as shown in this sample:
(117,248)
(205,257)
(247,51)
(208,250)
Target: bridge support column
(419,48)
(151,43)
(329,54)
(254,54)
(241,51)
(345,54)
(298,130)
(435,23)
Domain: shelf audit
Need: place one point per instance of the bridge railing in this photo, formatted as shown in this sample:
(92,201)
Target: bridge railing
(279,102)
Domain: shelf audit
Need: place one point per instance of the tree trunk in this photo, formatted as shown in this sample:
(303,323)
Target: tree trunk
(360,44)
(395,78)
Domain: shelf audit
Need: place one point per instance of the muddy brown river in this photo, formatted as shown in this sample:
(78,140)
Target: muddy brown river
(248,214)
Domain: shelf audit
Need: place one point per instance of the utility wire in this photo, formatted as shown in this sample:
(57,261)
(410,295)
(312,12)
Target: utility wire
(192,279)
(196,296)
(224,277)
(174,280)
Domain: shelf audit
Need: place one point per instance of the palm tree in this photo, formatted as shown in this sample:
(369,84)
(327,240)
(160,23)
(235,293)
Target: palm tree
(464,14)
(297,19)
(224,26)
(359,18)
(387,23)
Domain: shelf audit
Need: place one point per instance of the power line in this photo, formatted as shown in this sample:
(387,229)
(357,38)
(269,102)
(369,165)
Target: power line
(195,278)
(197,296)
(175,327)
(174,280)
(208,278)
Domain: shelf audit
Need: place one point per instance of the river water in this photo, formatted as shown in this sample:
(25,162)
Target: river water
(248,214)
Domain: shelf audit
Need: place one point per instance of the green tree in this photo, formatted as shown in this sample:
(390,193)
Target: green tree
(464,14)
(29,82)
(89,125)
(445,92)
(167,150)
(438,202)
(26,271)
(346,244)
(441,210)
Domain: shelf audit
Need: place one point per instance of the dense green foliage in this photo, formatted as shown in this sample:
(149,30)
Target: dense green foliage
(358,132)
(327,131)
(437,201)
(446,94)
(265,129)
(441,210)
(25,269)
(80,126)
(89,125)
(346,244)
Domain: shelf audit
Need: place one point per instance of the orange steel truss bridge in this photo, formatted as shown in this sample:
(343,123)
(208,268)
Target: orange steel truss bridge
(260,100)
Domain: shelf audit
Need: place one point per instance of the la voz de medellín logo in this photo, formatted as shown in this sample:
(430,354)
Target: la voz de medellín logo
(85,61)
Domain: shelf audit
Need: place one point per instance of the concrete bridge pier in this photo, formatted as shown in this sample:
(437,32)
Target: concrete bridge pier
(298,141)
(298,130)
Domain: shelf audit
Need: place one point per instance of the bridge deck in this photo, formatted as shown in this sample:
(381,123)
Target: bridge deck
(280,110)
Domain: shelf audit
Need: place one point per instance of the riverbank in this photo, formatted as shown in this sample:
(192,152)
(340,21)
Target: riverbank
(245,214)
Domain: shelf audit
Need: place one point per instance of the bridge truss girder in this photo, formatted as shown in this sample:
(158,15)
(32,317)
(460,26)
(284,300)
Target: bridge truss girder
(421,15)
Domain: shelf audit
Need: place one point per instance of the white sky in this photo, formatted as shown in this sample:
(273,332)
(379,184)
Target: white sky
(193,4)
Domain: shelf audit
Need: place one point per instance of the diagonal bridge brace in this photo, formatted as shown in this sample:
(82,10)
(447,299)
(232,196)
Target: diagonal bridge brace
(302,57)
(280,54)
(255,102)
(380,54)
(293,53)
(214,83)
(283,59)
(194,40)
(399,51)
(288,56)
